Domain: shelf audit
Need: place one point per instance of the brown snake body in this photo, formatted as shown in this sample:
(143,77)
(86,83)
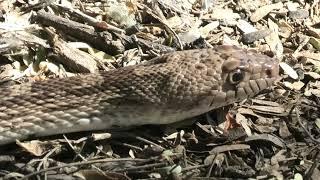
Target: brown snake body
(167,89)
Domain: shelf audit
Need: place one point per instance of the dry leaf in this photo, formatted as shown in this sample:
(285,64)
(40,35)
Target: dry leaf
(273,39)
(307,54)
(315,42)
(244,123)
(295,86)
(269,109)
(205,30)
(314,75)
(285,29)
(264,10)
(263,102)
(266,138)
(37,148)
(224,148)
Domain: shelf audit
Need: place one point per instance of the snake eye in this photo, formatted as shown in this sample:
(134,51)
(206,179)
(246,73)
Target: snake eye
(236,76)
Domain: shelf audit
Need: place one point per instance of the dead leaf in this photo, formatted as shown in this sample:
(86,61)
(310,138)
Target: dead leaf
(264,10)
(314,75)
(268,109)
(263,102)
(285,29)
(37,148)
(315,42)
(295,85)
(266,138)
(283,130)
(224,148)
(307,54)
(244,123)
(273,39)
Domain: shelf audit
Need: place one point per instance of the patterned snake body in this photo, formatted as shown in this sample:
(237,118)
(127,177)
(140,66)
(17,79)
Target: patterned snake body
(167,89)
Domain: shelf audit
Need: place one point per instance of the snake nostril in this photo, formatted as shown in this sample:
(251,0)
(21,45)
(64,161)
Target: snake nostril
(268,72)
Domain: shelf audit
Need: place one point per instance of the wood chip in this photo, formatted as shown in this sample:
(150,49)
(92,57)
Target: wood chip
(289,70)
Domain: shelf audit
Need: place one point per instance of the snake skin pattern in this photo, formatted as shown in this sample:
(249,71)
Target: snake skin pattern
(164,90)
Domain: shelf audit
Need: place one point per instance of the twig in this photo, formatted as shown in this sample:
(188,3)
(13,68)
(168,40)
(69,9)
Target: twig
(82,163)
(313,166)
(80,155)
(44,160)
(149,142)
(90,20)
(129,146)
(305,129)
(211,167)
(101,41)
(195,167)
(165,24)
(148,166)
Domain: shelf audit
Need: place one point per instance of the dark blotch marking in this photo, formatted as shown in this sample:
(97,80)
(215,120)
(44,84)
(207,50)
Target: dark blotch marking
(224,56)
(200,66)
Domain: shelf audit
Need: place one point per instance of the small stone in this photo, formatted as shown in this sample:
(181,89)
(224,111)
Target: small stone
(253,36)
(299,14)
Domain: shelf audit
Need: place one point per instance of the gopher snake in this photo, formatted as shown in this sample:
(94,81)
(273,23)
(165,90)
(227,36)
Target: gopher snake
(167,89)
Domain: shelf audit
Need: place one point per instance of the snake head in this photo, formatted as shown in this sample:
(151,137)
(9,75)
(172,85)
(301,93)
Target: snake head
(246,73)
(210,78)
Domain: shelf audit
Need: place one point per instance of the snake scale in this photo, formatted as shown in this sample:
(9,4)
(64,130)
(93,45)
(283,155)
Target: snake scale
(164,90)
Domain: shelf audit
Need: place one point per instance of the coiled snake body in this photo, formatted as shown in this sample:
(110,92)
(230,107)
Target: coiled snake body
(167,89)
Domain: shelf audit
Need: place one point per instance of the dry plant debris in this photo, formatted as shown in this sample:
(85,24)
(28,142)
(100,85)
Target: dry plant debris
(274,136)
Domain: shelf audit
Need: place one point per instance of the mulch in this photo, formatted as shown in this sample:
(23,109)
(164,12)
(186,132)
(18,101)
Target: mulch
(278,132)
